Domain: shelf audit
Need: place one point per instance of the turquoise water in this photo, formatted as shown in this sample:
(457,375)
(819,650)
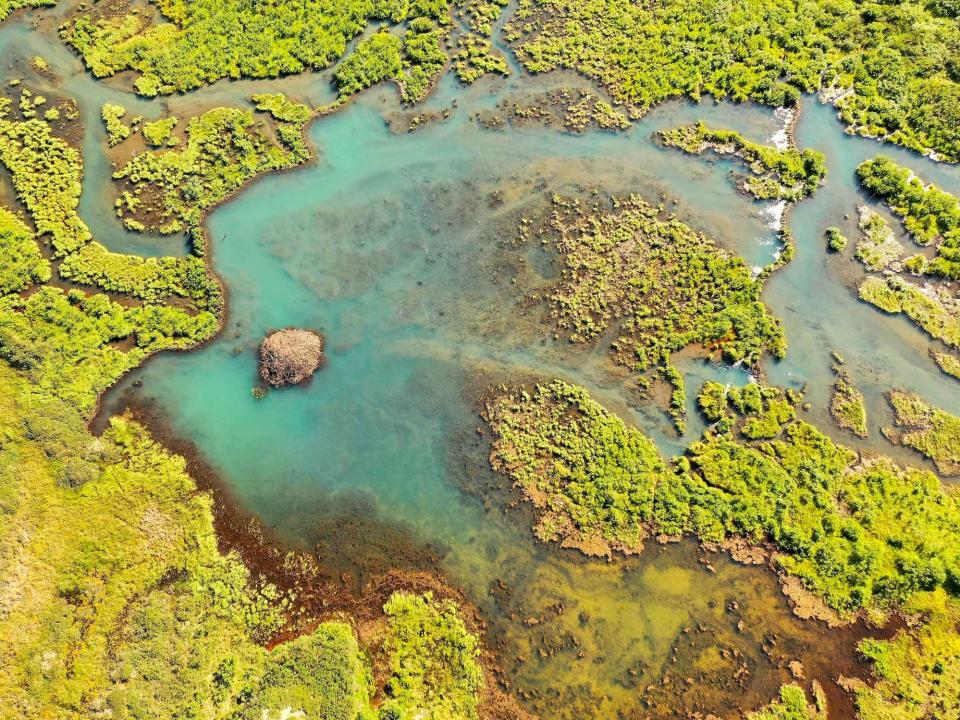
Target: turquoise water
(392,246)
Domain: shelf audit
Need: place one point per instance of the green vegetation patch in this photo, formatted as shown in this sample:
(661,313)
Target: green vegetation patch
(117,130)
(859,536)
(160,132)
(928,429)
(950,364)
(74,344)
(9,6)
(114,595)
(787,174)
(877,248)
(917,672)
(171,190)
(433,662)
(793,705)
(847,407)
(930,214)
(21,264)
(658,283)
(890,68)
(591,477)
(933,309)
(836,240)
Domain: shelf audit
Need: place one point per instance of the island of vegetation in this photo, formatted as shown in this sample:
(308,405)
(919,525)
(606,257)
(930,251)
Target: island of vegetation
(836,240)
(950,364)
(290,356)
(927,429)
(847,406)
(660,284)
(782,173)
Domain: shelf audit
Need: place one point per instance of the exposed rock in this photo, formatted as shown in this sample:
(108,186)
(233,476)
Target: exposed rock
(288,357)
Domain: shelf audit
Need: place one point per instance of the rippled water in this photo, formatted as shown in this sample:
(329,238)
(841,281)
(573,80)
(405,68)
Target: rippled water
(393,246)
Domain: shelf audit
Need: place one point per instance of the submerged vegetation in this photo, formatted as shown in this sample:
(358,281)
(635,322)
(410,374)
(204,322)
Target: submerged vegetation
(862,536)
(889,68)
(659,284)
(782,173)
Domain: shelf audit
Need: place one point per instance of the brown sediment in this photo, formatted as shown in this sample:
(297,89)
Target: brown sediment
(379,560)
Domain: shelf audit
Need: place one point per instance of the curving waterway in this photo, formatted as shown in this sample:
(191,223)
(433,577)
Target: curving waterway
(399,248)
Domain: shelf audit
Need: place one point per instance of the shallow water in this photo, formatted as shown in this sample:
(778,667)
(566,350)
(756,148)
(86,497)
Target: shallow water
(392,246)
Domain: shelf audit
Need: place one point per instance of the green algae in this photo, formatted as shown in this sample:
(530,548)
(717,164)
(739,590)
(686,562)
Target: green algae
(785,174)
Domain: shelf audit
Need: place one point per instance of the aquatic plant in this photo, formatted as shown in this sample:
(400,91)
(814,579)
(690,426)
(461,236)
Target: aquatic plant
(290,356)
(863,60)
(836,241)
(793,705)
(117,130)
(950,364)
(917,671)
(223,151)
(877,248)
(591,477)
(933,309)
(929,430)
(375,58)
(477,57)
(864,536)
(930,214)
(9,6)
(783,173)
(847,407)
(660,283)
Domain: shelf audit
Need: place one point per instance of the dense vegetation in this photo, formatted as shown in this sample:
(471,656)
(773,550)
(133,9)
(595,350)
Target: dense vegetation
(847,407)
(934,309)
(793,705)
(860,536)
(836,240)
(74,343)
(590,476)
(918,672)
(658,283)
(929,214)
(928,429)
(787,174)
(115,599)
(891,68)
(950,364)
(117,130)
(171,190)
(8,6)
